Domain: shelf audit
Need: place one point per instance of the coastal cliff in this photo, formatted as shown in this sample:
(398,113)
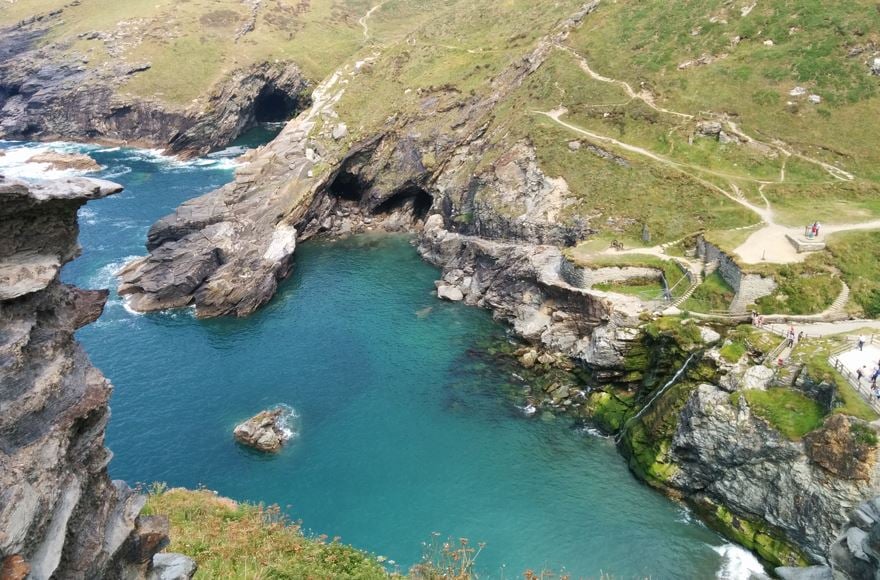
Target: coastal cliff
(49,91)
(447,169)
(60,514)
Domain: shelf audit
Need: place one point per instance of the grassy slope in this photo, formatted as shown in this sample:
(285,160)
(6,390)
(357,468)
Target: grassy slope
(230,540)
(192,44)
(460,45)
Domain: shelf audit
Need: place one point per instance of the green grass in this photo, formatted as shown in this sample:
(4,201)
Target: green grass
(646,290)
(802,289)
(857,254)
(236,540)
(645,41)
(733,351)
(790,412)
(713,294)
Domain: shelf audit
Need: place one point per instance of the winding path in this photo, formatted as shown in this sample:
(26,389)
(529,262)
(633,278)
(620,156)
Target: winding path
(764,213)
(768,244)
(363,20)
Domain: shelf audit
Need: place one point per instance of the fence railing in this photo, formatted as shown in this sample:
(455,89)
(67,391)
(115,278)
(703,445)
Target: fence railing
(862,387)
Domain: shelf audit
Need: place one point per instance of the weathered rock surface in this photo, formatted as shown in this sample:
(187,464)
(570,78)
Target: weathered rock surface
(46,92)
(60,515)
(264,431)
(728,456)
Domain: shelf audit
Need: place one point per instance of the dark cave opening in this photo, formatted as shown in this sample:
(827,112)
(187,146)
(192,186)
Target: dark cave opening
(272,106)
(346,185)
(411,197)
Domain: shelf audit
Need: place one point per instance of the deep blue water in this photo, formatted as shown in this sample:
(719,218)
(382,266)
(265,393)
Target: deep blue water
(402,428)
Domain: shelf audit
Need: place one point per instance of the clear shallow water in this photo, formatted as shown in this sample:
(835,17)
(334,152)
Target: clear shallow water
(402,429)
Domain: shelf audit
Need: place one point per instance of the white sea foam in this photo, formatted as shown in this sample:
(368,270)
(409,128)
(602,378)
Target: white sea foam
(738,564)
(592,432)
(14,163)
(228,153)
(288,422)
(158,157)
(117,172)
(104,277)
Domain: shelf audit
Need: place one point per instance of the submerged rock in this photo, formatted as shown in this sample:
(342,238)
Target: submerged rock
(266,431)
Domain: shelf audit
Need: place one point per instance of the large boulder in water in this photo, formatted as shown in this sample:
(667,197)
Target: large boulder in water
(266,431)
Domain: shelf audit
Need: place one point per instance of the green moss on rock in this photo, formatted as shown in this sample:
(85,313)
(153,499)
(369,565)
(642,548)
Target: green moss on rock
(755,535)
(609,410)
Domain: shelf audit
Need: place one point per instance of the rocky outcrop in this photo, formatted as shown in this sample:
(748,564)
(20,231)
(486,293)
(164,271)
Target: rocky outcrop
(64,161)
(855,555)
(266,431)
(523,285)
(49,91)
(762,485)
(60,514)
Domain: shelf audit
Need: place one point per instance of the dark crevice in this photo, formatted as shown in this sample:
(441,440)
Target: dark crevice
(412,197)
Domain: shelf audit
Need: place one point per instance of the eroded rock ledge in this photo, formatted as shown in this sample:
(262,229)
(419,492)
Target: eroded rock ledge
(60,514)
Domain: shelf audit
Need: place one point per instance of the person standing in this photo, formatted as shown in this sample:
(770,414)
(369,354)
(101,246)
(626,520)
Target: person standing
(861,342)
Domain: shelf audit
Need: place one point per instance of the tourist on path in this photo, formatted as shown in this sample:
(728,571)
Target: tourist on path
(860,373)
(861,342)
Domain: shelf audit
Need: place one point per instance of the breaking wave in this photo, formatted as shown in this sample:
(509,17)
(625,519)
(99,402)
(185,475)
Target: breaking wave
(738,564)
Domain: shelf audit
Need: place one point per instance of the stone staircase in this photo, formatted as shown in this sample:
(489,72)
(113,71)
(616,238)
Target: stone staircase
(695,277)
(840,302)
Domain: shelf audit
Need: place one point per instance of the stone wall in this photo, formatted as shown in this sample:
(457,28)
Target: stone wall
(748,287)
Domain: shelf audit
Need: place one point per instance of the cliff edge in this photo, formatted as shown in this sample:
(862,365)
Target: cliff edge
(60,514)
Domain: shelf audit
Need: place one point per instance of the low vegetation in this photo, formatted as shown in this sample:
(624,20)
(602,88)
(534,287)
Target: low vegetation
(791,412)
(237,540)
(802,289)
(857,254)
(713,294)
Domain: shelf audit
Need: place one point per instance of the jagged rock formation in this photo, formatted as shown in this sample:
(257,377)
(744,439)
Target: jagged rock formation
(738,467)
(225,252)
(47,92)
(60,514)
(495,229)
(855,555)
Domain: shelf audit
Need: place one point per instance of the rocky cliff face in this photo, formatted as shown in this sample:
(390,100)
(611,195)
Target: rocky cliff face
(754,482)
(60,514)
(48,92)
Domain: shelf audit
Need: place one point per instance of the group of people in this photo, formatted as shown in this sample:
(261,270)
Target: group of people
(872,376)
(812,231)
(757,319)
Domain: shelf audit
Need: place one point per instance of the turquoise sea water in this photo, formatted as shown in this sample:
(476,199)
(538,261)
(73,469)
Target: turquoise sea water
(402,431)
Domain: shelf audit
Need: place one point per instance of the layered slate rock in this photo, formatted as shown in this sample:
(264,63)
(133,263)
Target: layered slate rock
(60,514)
(802,491)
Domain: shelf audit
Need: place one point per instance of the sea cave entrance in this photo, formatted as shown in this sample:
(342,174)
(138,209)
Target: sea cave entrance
(273,106)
